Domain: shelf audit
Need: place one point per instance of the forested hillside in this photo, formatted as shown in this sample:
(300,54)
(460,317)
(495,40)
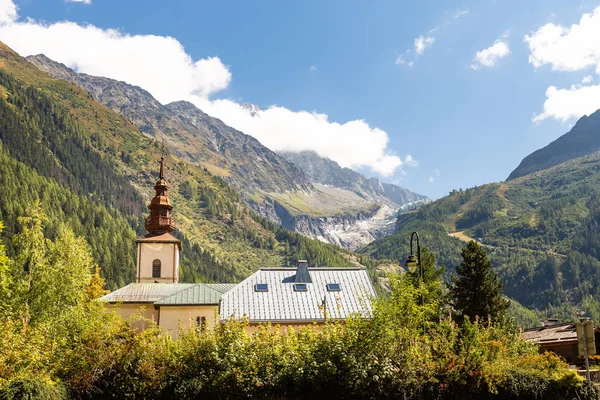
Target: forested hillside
(93,169)
(272,186)
(542,232)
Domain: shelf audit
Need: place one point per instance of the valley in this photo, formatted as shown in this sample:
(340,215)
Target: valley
(283,189)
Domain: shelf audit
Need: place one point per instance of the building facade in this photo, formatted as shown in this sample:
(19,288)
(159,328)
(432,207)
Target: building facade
(290,297)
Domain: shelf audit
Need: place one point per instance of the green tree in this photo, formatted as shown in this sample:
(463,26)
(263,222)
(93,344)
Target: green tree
(5,276)
(432,277)
(49,276)
(476,290)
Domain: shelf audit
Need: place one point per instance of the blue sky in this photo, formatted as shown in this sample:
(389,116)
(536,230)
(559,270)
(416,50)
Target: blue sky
(463,126)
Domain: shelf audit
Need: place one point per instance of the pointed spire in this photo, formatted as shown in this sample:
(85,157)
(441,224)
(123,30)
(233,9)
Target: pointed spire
(160,219)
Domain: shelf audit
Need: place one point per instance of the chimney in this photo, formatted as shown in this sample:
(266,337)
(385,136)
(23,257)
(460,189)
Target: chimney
(302,274)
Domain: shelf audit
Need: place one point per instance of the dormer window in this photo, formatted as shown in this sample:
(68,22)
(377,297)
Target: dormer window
(333,287)
(156,268)
(300,287)
(261,287)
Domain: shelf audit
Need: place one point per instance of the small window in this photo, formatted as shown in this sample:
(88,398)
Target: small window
(261,287)
(201,322)
(333,287)
(300,287)
(156,269)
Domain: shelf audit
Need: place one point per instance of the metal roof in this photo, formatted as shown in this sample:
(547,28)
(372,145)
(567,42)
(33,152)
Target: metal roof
(165,237)
(200,293)
(144,292)
(282,304)
(556,333)
(221,287)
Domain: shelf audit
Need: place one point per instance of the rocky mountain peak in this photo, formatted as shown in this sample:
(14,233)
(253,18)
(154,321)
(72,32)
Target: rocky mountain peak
(583,139)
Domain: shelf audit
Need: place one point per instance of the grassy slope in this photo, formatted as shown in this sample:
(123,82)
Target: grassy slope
(535,228)
(238,245)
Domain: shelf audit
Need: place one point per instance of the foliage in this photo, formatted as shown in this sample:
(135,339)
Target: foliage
(86,351)
(431,279)
(476,291)
(38,388)
(540,231)
(88,168)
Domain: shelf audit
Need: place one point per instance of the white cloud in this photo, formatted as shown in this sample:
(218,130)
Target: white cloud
(571,48)
(158,64)
(8,12)
(422,43)
(490,56)
(79,1)
(409,161)
(436,172)
(567,48)
(460,13)
(401,60)
(564,104)
(587,79)
(161,65)
(313,68)
(431,179)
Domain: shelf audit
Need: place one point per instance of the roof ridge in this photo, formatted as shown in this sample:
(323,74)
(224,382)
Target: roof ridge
(206,286)
(293,269)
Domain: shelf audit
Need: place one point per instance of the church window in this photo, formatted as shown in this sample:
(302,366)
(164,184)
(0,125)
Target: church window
(201,322)
(156,269)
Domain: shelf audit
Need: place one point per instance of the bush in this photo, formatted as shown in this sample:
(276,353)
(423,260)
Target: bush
(34,388)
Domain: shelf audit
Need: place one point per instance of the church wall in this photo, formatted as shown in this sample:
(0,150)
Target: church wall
(172,316)
(131,311)
(167,253)
(253,328)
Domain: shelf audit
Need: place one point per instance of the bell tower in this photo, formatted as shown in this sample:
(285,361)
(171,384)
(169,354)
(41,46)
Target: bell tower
(158,251)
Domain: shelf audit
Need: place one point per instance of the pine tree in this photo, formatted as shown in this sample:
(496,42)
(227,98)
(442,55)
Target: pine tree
(476,290)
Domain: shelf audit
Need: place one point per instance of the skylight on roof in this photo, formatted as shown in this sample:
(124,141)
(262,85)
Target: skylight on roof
(333,287)
(261,287)
(300,287)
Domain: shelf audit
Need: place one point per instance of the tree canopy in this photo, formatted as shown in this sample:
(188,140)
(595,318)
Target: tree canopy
(475,291)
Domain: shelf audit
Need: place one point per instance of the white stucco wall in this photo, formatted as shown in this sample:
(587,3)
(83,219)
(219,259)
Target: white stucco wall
(133,312)
(172,317)
(167,253)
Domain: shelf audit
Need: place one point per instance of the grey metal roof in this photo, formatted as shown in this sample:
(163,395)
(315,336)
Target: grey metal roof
(144,292)
(282,304)
(221,287)
(200,293)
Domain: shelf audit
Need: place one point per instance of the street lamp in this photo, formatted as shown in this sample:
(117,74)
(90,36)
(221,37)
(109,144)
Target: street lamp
(412,263)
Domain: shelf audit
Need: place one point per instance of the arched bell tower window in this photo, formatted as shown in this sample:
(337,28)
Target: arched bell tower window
(156,268)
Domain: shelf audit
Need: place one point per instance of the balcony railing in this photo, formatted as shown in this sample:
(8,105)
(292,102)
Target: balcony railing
(160,222)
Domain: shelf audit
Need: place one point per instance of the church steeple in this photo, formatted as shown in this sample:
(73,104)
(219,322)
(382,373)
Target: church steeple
(158,251)
(160,219)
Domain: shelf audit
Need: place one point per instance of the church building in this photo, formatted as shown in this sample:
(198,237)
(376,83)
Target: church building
(157,294)
(290,297)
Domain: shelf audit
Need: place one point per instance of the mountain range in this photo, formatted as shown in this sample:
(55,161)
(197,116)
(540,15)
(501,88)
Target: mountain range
(348,211)
(93,169)
(581,140)
(541,226)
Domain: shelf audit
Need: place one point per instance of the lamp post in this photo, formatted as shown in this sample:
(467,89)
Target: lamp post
(412,263)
